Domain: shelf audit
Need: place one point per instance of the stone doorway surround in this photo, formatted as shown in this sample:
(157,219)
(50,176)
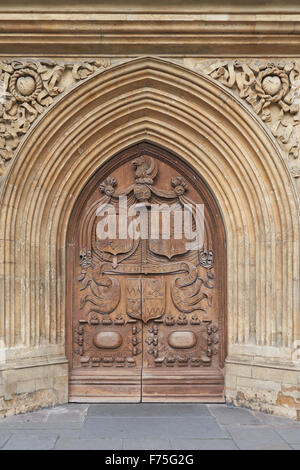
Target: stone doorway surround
(177,106)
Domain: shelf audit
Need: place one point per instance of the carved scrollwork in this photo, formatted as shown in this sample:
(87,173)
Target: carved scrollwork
(189,290)
(261,84)
(29,88)
(271,89)
(179,185)
(190,293)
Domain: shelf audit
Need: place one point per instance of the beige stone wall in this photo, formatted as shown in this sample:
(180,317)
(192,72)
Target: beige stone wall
(193,97)
(27,387)
(263,388)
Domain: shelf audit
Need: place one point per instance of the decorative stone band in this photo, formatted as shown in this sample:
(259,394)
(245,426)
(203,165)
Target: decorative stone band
(30,87)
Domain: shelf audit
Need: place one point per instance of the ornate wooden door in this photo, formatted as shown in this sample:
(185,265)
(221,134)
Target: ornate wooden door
(146,299)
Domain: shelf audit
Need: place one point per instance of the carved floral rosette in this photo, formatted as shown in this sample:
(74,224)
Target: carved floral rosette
(28,88)
(271,89)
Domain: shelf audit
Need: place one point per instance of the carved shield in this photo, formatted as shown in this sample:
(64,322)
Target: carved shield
(133,298)
(168,248)
(153,295)
(115,246)
(168,240)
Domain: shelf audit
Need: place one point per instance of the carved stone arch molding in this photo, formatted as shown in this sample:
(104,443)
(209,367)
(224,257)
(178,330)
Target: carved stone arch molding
(194,117)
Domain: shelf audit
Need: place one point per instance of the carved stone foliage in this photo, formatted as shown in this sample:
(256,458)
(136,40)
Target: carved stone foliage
(271,89)
(27,89)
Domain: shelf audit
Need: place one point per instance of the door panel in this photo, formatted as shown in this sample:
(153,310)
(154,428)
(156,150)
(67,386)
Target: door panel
(146,319)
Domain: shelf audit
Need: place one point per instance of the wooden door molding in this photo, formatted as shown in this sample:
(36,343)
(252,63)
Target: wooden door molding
(146,317)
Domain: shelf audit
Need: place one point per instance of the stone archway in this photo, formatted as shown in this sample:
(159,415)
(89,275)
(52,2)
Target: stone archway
(193,116)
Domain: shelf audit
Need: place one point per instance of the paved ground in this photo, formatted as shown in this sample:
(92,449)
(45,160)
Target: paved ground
(148,426)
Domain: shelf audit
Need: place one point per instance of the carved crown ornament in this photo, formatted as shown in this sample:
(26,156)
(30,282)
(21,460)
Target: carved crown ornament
(28,88)
(272,90)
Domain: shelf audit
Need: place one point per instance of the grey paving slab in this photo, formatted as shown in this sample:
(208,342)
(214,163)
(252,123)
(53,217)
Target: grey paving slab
(256,438)
(147,409)
(4,436)
(80,407)
(52,431)
(49,419)
(146,444)
(231,415)
(202,427)
(150,426)
(203,444)
(33,434)
(35,417)
(29,441)
(290,434)
(66,417)
(51,426)
(275,421)
(68,433)
(88,444)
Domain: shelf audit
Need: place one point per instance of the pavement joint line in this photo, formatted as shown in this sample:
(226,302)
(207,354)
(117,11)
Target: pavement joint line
(5,442)
(80,416)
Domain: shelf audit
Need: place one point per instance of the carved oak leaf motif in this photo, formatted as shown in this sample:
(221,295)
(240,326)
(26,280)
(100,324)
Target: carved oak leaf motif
(29,88)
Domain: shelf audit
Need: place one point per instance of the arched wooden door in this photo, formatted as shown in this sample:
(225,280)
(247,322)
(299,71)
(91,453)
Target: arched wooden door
(146,313)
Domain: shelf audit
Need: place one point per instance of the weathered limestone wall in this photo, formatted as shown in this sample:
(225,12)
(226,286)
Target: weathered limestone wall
(236,122)
(269,389)
(29,387)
